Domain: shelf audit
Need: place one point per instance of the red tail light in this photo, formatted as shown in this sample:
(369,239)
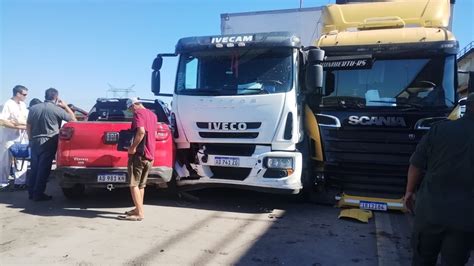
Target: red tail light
(66,133)
(162,132)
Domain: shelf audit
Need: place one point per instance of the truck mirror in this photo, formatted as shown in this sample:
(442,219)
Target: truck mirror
(314,79)
(155,75)
(157,63)
(315,56)
(155,82)
(314,71)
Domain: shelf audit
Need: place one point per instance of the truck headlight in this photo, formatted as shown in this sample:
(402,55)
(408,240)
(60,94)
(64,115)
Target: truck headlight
(279,162)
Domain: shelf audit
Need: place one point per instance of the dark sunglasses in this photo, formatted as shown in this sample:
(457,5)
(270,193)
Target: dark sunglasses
(24,94)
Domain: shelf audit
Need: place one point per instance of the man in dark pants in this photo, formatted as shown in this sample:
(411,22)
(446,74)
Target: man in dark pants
(43,123)
(444,211)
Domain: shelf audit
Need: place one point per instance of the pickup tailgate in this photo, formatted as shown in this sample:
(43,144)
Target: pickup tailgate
(94,144)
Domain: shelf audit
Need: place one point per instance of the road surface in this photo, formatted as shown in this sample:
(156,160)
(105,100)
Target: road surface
(218,227)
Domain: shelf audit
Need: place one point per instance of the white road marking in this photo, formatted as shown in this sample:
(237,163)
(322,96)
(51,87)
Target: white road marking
(386,249)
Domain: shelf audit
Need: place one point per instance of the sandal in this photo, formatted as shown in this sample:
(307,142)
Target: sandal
(130,218)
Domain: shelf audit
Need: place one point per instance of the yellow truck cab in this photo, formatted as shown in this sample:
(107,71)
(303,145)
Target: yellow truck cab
(389,74)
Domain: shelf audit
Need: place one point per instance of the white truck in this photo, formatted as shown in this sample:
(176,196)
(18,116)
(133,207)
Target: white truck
(237,109)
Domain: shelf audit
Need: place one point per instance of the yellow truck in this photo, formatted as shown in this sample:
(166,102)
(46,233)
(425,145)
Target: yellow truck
(389,74)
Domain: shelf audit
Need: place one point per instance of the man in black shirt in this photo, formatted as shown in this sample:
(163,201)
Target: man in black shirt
(444,209)
(43,123)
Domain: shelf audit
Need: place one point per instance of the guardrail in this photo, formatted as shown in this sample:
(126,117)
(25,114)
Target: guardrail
(465,50)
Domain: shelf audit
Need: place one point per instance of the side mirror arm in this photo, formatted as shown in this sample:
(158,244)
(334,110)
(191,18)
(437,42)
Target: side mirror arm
(156,75)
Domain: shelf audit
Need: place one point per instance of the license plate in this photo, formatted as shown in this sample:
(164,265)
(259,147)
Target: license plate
(226,161)
(370,205)
(112,178)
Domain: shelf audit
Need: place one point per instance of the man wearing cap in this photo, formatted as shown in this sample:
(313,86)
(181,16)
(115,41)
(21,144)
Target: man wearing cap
(140,155)
(444,209)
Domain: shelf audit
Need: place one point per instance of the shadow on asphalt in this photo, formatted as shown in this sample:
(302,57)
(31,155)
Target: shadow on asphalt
(299,233)
(216,199)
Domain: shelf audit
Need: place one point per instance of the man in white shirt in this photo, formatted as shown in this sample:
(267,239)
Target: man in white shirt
(13,121)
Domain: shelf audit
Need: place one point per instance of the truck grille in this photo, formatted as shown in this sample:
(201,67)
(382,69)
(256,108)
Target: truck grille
(368,160)
(232,173)
(225,132)
(225,135)
(230,149)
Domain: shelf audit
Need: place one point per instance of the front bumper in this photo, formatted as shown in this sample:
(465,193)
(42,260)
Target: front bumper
(253,173)
(70,176)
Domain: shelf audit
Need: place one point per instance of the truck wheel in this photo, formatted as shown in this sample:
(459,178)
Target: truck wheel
(172,190)
(316,194)
(322,196)
(75,192)
(303,195)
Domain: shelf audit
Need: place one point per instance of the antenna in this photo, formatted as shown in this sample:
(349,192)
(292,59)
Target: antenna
(119,92)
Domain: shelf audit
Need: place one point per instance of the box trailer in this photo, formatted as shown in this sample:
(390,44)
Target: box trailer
(302,22)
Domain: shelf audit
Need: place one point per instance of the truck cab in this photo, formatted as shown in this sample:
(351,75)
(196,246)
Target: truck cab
(390,72)
(237,109)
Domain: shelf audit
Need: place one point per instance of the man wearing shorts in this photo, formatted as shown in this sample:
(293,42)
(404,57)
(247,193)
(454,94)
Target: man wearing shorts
(140,155)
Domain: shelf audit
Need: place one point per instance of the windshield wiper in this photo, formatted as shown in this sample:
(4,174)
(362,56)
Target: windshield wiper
(199,91)
(261,90)
(350,104)
(415,105)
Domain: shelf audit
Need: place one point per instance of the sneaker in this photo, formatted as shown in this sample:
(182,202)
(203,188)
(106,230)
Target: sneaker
(4,186)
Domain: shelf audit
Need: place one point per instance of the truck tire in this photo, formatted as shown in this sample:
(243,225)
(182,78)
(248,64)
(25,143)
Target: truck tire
(311,193)
(317,194)
(322,196)
(171,191)
(75,192)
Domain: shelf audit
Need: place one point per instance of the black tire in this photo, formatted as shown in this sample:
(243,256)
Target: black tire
(75,192)
(322,196)
(306,182)
(311,193)
(171,191)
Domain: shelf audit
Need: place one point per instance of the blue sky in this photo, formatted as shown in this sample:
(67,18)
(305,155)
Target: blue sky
(81,46)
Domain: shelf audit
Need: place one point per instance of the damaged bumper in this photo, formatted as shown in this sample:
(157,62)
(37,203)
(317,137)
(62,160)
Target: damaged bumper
(103,176)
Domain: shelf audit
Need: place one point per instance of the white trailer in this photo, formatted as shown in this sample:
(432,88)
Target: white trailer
(302,22)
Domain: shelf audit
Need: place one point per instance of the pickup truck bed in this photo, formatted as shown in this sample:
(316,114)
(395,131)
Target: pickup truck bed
(87,156)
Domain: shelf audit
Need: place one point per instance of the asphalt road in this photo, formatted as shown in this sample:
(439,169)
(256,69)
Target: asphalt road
(217,227)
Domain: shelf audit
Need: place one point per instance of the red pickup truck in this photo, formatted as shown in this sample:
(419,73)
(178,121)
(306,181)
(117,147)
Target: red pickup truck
(87,153)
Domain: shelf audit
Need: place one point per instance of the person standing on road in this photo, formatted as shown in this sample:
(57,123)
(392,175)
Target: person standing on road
(13,120)
(140,155)
(444,209)
(44,121)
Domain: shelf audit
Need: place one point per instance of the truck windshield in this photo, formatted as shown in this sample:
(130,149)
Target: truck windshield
(235,72)
(392,83)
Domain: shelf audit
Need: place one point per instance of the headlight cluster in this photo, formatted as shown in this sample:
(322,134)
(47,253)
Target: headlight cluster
(279,162)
